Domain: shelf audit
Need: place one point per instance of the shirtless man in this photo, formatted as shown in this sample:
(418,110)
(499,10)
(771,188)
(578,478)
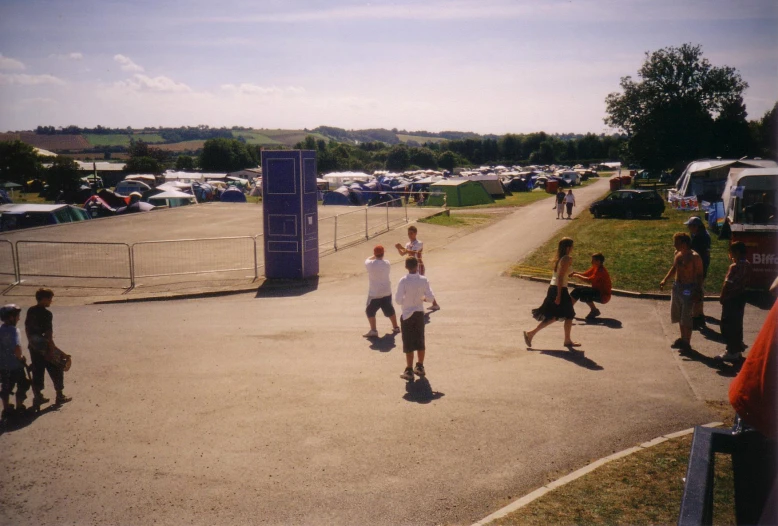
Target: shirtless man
(687,287)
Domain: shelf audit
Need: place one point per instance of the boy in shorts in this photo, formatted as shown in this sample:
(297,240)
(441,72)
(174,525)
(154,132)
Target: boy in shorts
(12,361)
(412,289)
(414,248)
(379,294)
(733,302)
(40,335)
(599,292)
(687,287)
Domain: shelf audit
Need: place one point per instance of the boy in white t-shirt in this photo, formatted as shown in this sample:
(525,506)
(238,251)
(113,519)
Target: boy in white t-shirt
(413,248)
(379,294)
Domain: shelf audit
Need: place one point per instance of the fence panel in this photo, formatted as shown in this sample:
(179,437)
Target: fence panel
(179,257)
(72,259)
(8,268)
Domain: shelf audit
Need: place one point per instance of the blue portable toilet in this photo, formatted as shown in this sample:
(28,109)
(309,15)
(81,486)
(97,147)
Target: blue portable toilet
(290,214)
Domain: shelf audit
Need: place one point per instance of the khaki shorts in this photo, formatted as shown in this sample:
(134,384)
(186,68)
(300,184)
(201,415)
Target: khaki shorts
(681,304)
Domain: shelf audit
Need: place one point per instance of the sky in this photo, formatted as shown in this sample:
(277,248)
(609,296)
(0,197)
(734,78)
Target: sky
(488,66)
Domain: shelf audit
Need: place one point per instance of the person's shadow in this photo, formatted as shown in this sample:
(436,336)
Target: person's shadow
(17,422)
(723,368)
(572,356)
(385,343)
(605,322)
(420,391)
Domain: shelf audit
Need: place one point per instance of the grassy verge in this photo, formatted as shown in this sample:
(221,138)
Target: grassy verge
(638,253)
(643,488)
(459,220)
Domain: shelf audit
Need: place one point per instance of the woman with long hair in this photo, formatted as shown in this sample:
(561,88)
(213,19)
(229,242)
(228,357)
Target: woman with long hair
(558,304)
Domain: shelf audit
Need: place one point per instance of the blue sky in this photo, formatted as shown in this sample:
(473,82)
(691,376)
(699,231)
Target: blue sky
(489,66)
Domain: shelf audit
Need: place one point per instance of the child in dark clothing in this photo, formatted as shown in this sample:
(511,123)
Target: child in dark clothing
(12,361)
(733,302)
(40,334)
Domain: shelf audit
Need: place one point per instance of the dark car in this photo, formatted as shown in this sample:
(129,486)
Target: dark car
(629,204)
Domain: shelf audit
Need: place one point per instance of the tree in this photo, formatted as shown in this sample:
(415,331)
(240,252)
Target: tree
(64,175)
(19,162)
(398,158)
(668,115)
(185,163)
(765,133)
(226,155)
(447,160)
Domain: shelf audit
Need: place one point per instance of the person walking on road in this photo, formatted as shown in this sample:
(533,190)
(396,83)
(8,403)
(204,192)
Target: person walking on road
(599,292)
(569,203)
(38,325)
(412,290)
(701,245)
(687,287)
(414,247)
(558,304)
(12,362)
(560,204)
(379,294)
(733,303)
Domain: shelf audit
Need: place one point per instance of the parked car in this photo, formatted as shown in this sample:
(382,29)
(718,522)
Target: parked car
(629,204)
(572,178)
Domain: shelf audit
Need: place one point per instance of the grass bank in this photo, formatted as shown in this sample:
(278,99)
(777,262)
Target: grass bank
(642,488)
(638,253)
(464,220)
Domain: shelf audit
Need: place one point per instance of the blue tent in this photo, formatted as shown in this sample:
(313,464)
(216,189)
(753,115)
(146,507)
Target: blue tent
(337,197)
(232,195)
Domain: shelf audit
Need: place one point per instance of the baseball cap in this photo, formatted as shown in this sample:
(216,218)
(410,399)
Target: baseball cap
(694,220)
(9,310)
(378,250)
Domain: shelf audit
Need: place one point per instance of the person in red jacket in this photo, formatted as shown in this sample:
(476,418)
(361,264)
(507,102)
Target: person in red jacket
(599,292)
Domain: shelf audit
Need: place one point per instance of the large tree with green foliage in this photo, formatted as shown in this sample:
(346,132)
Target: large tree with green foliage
(64,175)
(226,155)
(669,113)
(146,159)
(19,162)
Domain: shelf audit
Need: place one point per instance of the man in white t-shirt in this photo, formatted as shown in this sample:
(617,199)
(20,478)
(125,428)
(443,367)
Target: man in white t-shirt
(379,294)
(414,248)
(412,290)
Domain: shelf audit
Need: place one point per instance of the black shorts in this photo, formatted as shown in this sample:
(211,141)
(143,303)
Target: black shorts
(413,332)
(385,304)
(13,378)
(586,294)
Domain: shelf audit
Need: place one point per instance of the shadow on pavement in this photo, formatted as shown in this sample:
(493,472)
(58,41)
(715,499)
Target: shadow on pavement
(286,288)
(383,344)
(15,423)
(711,319)
(723,368)
(606,322)
(710,334)
(420,391)
(572,356)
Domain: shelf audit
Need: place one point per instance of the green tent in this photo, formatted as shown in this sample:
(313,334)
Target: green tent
(458,192)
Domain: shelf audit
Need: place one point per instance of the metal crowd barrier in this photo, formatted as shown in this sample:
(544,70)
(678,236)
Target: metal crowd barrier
(74,259)
(178,257)
(8,266)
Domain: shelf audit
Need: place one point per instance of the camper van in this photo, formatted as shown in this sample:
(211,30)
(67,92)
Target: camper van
(750,198)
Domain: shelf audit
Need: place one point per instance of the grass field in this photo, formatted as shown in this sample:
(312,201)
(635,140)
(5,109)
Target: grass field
(642,488)
(121,139)
(418,138)
(638,253)
(185,146)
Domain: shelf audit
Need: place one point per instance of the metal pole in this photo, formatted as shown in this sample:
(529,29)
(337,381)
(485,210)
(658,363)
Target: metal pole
(256,261)
(335,241)
(17,265)
(387,217)
(367,236)
(131,254)
(406,209)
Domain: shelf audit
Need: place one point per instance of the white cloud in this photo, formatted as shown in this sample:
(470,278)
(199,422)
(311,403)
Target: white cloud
(23,79)
(67,56)
(127,63)
(10,63)
(253,89)
(160,84)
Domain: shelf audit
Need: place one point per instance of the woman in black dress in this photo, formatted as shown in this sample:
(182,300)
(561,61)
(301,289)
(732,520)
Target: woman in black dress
(558,304)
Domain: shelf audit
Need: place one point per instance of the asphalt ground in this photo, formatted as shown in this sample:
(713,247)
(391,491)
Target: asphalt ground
(271,408)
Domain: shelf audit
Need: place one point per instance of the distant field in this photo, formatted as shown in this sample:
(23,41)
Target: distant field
(186,146)
(254,137)
(96,156)
(285,137)
(55,142)
(418,138)
(121,139)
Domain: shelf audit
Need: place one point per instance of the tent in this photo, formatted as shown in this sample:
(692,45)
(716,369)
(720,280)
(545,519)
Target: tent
(112,199)
(384,197)
(172,199)
(706,179)
(15,216)
(232,195)
(97,207)
(491,184)
(458,192)
(337,197)
(138,206)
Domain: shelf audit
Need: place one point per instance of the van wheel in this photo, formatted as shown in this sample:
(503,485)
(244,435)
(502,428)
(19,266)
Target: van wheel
(629,214)
(597,214)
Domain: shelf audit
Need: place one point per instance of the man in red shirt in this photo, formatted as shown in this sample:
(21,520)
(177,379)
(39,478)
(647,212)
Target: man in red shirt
(599,292)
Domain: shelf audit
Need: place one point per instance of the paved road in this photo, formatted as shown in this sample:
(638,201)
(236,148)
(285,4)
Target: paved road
(273,409)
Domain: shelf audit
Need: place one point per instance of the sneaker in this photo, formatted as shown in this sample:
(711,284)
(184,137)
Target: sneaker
(395,330)
(698,323)
(39,400)
(731,357)
(371,334)
(62,399)
(419,370)
(434,308)
(7,413)
(407,374)
(593,314)
(677,344)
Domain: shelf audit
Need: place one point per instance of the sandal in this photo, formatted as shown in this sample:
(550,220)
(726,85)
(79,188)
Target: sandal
(527,339)
(572,344)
